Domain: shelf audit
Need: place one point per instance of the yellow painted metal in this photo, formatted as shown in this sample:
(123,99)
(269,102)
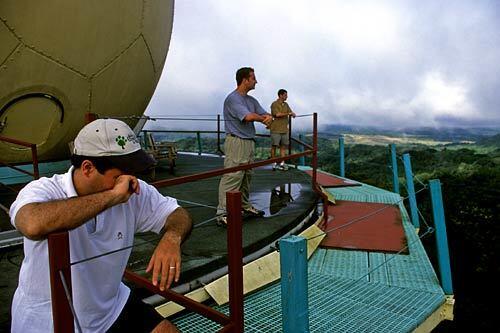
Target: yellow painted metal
(170,308)
(444,312)
(331,197)
(260,272)
(103,57)
(256,274)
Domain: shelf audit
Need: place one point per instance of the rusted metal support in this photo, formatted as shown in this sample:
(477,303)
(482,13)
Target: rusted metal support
(235,259)
(34,157)
(233,323)
(315,169)
(186,302)
(218,172)
(300,142)
(302,159)
(17,169)
(90,117)
(59,260)
(15,141)
(289,135)
(315,149)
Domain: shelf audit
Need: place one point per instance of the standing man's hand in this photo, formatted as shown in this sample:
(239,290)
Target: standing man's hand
(293,115)
(267,119)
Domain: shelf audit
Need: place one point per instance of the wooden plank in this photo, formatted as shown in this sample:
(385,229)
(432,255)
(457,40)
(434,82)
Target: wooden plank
(269,262)
(262,271)
(170,308)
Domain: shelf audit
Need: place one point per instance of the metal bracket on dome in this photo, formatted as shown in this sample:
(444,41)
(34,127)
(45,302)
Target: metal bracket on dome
(30,95)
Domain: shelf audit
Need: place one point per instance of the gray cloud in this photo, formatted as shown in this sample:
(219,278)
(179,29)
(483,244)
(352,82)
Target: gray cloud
(384,63)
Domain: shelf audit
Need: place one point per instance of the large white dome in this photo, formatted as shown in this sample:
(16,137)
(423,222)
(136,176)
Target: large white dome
(62,59)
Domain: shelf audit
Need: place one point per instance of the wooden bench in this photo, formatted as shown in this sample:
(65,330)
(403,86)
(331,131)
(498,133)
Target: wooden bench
(162,150)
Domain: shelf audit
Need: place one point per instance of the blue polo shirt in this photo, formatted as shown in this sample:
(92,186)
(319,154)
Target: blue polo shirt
(236,107)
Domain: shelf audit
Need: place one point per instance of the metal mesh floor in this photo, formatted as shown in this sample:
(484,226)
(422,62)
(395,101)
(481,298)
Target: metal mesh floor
(351,291)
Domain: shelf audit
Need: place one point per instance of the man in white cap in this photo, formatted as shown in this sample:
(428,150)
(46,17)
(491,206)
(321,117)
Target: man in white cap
(102,204)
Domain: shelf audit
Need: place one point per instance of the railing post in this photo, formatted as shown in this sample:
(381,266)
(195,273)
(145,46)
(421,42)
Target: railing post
(411,191)
(441,238)
(90,117)
(302,159)
(395,179)
(341,156)
(315,148)
(198,139)
(294,291)
(235,259)
(315,165)
(59,260)
(34,157)
(289,137)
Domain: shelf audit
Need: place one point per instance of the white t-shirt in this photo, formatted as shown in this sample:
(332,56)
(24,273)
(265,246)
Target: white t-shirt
(98,293)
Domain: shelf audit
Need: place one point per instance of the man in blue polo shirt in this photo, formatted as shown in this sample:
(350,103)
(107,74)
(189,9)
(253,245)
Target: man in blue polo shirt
(240,113)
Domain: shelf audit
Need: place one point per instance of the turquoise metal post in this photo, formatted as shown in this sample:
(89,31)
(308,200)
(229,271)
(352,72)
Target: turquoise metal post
(341,152)
(302,159)
(441,238)
(395,179)
(146,141)
(411,191)
(198,138)
(293,260)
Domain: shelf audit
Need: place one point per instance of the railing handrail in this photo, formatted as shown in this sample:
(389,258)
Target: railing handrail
(60,277)
(219,172)
(34,156)
(233,323)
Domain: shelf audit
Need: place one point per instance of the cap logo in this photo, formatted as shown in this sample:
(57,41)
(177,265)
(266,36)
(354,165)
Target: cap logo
(121,141)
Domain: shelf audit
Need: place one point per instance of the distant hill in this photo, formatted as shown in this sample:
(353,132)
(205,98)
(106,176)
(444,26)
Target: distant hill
(490,141)
(438,134)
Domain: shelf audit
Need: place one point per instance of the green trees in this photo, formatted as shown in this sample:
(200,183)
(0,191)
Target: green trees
(471,193)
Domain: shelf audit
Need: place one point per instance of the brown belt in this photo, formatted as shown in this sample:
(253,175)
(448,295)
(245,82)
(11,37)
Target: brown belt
(235,136)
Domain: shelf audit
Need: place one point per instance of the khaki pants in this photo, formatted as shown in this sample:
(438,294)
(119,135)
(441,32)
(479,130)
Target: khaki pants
(238,152)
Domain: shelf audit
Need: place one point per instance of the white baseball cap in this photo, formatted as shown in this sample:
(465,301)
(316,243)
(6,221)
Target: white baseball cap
(113,139)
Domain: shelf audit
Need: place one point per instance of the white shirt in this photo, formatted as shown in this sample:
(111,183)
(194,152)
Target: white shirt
(98,293)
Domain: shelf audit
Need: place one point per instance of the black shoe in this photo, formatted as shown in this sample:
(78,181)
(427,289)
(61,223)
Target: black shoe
(253,212)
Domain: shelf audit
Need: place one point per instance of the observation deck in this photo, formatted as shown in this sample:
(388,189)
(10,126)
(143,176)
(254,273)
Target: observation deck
(353,290)
(350,290)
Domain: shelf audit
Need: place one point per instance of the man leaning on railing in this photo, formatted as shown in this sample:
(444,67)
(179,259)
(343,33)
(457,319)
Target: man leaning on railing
(103,205)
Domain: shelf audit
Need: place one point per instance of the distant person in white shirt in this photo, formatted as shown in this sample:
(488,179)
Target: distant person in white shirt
(102,204)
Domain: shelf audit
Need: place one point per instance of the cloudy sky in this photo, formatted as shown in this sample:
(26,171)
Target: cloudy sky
(389,64)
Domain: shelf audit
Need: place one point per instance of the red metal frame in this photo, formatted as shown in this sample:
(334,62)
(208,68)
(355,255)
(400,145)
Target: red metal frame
(218,172)
(178,298)
(59,244)
(59,260)
(34,156)
(235,259)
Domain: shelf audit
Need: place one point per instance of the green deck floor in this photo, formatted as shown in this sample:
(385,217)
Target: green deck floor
(351,291)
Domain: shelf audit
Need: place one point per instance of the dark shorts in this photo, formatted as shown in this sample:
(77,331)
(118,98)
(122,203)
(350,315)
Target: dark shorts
(280,139)
(136,316)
